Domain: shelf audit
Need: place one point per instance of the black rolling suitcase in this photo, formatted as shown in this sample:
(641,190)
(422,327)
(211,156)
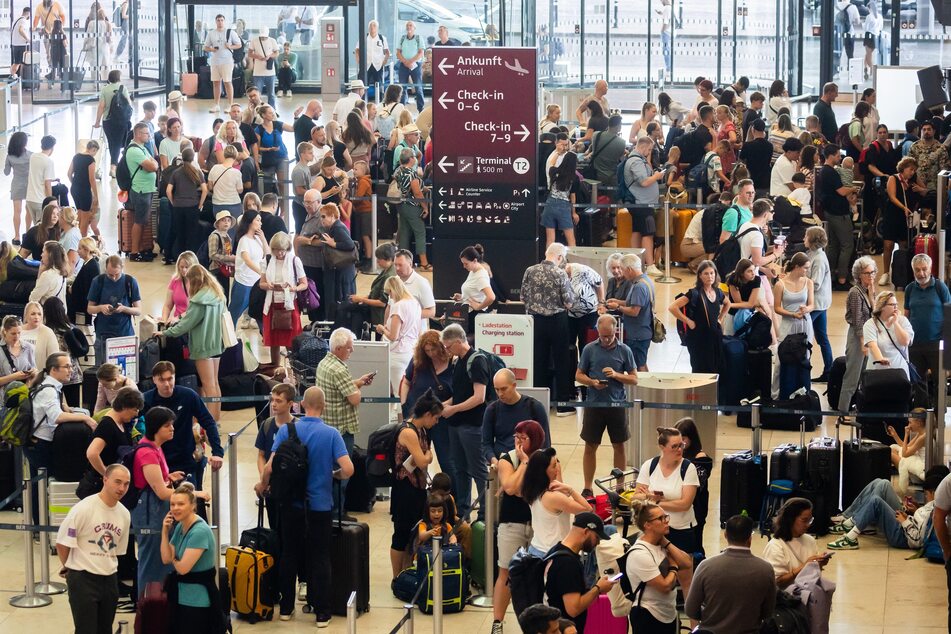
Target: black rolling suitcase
(822,482)
(834,385)
(759,365)
(350,562)
(361,495)
(8,477)
(267,540)
(70,441)
(885,390)
(743,482)
(11,308)
(206,89)
(862,462)
(90,389)
(732,386)
(808,402)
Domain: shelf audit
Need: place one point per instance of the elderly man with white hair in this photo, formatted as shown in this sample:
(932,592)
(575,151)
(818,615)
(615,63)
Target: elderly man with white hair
(637,312)
(341,391)
(924,307)
(547,293)
(464,412)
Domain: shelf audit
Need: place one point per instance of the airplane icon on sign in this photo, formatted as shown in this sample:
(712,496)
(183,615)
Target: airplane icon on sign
(517,67)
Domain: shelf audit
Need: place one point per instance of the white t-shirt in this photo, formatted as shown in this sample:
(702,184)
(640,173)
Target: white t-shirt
(752,240)
(96,535)
(472,287)
(41,170)
(220,39)
(942,497)
(419,287)
(375,51)
(782,173)
(409,314)
(343,107)
(242,272)
(694,232)
(786,556)
(263,46)
(672,488)
(804,198)
(643,564)
(897,357)
(16,37)
(227,185)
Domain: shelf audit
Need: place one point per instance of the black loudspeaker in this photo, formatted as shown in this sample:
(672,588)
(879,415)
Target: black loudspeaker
(931,80)
(942,11)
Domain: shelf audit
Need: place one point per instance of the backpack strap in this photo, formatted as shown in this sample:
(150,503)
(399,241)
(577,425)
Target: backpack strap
(654,461)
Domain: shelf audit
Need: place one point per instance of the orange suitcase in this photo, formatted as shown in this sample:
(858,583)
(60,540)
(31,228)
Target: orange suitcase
(624,228)
(679,221)
(190,84)
(125,233)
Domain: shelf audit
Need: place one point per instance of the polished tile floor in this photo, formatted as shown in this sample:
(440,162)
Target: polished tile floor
(878,590)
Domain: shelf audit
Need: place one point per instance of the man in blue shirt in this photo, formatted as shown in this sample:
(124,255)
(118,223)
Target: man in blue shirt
(924,308)
(188,407)
(327,460)
(740,212)
(606,367)
(114,299)
(638,311)
(410,55)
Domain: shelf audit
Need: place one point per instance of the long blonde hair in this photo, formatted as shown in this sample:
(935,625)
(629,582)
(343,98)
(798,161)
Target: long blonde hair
(186,256)
(395,289)
(198,278)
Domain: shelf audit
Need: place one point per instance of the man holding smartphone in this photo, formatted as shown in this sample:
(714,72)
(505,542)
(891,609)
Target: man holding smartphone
(218,44)
(606,367)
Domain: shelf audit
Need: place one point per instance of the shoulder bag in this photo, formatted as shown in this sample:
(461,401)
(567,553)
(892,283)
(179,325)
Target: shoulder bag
(658,329)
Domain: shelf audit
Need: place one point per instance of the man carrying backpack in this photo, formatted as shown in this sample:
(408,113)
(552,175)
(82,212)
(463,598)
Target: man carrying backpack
(641,181)
(327,460)
(464,413)
(142,169)
(114,116)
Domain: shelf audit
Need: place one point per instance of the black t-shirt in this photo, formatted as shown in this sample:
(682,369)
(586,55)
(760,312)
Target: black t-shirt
(302,128)
(513,509)
(748,118)
(33,241)
(881,157)
(746,289)
(832,202)
(250,137)
(339,149)
(80,183)
(109,431)
(565,576)
(462,388)
(249,174)
(598,123)
(271,223)
(756,155)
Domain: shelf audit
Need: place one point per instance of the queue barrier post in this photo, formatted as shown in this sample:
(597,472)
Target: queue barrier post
(352,613)
(667,278)
(233,486)
(46,124)
(216,508)
(19,104)
(484,600)
(45,586)
(74,106)
(29,598)
(409,623)
(373,237)
(938,455)
(437,584)
(757,429)
(930,438)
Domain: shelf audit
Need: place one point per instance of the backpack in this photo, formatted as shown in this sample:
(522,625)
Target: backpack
(527,578)
(381,455)
(76,342)
(289,468)
(711,225)
(495,363)
(842,20)
(699,175)
(124,175)
(204,257)
(127,459)
(237,54)
(121,108)
(727,254)
(865,157)
(18,425)
(786,212)
(931,549)
(385,122)
(788,617)
(624,193)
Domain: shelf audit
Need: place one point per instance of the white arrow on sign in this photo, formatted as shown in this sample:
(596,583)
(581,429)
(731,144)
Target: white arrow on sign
(442,218)
(443,100)
(443,164)
(442,191)
(525,133)
(442,204)
(443,65)
(526,192)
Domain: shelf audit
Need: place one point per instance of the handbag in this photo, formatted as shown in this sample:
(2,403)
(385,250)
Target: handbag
(307,299)
(337,259)
(281,318)
(228,337)
(268,63)
(91,484)
(589,171)
(658,329)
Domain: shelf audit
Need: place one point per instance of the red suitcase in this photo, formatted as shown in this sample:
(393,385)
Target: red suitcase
(928,244)
(601,621)
(151,613)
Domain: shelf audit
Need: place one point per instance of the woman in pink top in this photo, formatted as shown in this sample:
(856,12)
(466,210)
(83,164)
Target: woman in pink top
(176,297)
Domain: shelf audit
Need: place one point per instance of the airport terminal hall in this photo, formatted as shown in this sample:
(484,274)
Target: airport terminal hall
(484,316)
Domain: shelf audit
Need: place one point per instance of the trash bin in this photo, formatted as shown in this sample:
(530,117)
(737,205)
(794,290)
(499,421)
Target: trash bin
(674,388)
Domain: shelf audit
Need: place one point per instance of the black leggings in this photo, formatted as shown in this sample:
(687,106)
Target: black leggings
(643,622)
(116,134)
(183,221)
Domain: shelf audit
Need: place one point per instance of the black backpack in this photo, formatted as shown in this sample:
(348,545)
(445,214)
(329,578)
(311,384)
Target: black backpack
(711,225)
(527,578)
(124,175)
(495,363)
(121,108)
(127,459)
(289,467)
(381,454)
(727,254)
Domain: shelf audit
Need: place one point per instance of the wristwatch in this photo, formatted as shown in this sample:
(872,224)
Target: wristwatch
(674,568)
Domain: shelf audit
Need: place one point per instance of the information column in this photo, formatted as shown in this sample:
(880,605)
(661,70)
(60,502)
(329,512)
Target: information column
(485,148)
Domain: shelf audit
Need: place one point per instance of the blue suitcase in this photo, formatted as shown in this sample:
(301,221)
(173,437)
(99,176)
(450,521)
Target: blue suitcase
(455,579)
(732,386)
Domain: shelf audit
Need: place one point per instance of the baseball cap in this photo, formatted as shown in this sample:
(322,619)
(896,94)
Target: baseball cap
(591,522)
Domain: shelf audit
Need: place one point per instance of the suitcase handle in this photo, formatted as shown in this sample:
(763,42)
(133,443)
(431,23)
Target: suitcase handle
(854,424)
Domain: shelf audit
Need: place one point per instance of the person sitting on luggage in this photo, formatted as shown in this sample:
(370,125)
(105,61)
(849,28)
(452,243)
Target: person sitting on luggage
(188,545)
(878,506)
(442,484)
(887,335)
(791,547)
(908,456)
(434,521)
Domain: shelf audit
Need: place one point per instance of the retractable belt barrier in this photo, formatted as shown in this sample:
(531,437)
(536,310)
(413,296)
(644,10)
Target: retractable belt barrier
(734,409)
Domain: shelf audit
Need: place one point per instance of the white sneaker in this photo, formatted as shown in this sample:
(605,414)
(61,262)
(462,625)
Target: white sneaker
(653,270)
(287,617)
(884,280)
(280,93)
(289,94)
(214,110)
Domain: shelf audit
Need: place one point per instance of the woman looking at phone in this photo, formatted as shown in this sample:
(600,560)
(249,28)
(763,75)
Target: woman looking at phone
(791,547)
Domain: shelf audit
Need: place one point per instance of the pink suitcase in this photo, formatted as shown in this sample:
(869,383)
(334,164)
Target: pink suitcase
(190,84)
(601,621)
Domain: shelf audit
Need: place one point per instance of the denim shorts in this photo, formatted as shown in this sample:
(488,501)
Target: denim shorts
(557,214)
(141,205)
(639,349)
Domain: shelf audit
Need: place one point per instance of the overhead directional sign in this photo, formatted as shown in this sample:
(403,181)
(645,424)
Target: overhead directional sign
(484,117)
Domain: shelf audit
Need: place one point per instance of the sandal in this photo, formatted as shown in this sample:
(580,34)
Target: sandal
(425,267)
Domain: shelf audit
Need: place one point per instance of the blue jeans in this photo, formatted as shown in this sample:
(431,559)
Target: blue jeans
(290,30)
(348,443)
(819,326)
(39,456)
(665,46)
(791,378)
(877,512)
(149,513)
(416,75)
(265,85)
(240,296)
(876,489)
(466,449)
